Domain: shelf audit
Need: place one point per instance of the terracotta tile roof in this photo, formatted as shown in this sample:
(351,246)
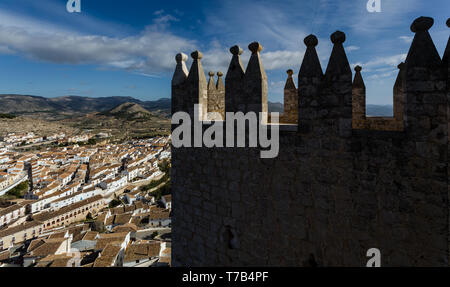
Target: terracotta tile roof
(118,210)
(48,248)
(43,264)
(10,209)
(102,217)
(19,228)
(90,235)
(159,215)
(129,227)
(142,250)
(5,255)
(113,238)
(108,256)
(55,261)
(35,244)
(58,234)
(103,262)
(122,218)
(62,262)
(139,204)
(129,208)
(111,250)
(114,235)
(49,215)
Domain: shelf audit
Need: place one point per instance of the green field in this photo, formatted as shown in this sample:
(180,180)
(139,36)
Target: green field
(17,192)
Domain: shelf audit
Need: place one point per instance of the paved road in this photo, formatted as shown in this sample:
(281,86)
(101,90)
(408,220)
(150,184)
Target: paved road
(142,234)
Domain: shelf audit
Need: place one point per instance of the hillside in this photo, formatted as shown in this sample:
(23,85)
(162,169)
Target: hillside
(63,107)
(19,104)
(129,111)
(379,111)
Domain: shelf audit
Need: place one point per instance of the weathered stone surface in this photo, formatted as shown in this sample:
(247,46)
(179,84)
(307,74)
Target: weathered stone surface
(359,98)
(234,82)
(216,97)
(334,191)
(290,115)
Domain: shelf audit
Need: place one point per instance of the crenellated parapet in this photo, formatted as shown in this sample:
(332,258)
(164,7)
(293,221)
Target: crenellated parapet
(234,83)
(446,62)
(361,121)
(290,114)
(242,91)
(310,79)
(359,97)
(425,85)
(399,95)
(321,99)
(325,100)
(216,97)
(255,83)
(342,182)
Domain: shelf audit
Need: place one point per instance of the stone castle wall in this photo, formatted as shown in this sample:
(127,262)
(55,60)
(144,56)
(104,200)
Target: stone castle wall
(342,183)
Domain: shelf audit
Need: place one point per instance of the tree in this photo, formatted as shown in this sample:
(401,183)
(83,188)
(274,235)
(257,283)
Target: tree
(92,141)
(89,217)
(164,166)
(19,191)
(114,203)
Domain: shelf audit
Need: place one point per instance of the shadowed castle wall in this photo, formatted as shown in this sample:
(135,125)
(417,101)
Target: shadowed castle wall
(343,183)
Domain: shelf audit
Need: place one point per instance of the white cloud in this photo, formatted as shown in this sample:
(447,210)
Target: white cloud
(382,64)
(351,48)
(282,60)
(406,39)
(151,51)
(383,75)
(148,53)
(392,61)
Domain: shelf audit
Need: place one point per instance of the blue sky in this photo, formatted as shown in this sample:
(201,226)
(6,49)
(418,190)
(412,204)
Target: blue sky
(127,48)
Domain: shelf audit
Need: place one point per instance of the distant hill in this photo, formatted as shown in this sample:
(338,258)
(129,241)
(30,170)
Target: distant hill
(379,111)
(129,111)
(275,107)
(18,104)
(371,110)
(70,105)
(75,105)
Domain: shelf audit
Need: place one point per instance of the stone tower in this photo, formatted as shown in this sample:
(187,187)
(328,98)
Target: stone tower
(343,183)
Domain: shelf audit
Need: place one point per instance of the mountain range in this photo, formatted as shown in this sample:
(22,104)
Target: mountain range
(128,111)
(26,104)
(73,105)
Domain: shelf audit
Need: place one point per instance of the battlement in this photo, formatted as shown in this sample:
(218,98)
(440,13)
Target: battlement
(361,121)
(342,183)
(320,96)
